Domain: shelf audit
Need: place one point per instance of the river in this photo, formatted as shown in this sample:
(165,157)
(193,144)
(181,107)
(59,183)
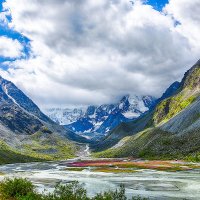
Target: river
(146,183)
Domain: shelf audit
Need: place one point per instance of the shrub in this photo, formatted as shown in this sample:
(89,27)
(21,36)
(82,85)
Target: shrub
(112,195)
(194,158)
(31,196)
(13,188)
(71,191)
(22,189)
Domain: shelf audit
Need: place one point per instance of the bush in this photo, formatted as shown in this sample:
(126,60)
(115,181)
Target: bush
(194,158)
(112,195)
(14,188)
(22,189)
(71,191)
(31,196)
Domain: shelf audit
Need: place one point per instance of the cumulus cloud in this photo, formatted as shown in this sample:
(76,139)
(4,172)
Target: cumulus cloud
(187,13)
(10,48)
(92,52)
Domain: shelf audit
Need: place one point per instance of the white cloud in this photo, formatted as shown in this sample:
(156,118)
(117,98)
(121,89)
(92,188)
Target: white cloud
(10,48)
(90,52)
(187,13)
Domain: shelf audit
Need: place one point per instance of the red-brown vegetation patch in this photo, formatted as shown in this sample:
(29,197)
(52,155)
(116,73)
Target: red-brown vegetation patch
(155,164)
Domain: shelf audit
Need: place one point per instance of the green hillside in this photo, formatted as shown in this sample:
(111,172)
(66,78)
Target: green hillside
(38,147)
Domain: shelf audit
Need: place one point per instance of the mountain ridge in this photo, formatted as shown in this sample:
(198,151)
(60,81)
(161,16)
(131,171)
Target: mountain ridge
(27,132)
(172,128)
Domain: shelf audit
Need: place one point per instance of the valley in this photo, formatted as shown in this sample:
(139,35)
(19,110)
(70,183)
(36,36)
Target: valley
(99,100)
(151,146)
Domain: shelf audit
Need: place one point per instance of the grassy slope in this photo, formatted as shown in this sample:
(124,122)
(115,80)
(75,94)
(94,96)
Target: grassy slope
(170,107)
(49,147)
(158,144)
(38,147)
(8,155)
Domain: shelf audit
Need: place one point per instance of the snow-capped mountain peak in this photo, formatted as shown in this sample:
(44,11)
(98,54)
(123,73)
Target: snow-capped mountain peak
(65,116)
(101,119)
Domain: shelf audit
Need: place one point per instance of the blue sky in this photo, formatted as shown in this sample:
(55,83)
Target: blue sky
(121,48)
(11,33)
(157,4)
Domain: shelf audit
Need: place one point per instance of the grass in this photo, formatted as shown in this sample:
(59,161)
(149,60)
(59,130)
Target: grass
(156,144)
(9,155)
(22,189)
(77,169)
(50,147)
(172,106)
(194,157)
(37,148)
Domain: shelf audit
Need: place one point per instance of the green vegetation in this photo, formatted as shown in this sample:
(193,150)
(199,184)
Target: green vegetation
(49,147)
(22,189)
(194,158)
(36,153)
(9,155)
(113,170)
(172,106)
(77,169)
(156,144)
(11,188)
(186,96)
(192,80)
(37,148)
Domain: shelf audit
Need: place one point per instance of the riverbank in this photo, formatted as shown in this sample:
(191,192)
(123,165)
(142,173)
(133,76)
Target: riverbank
(147,183)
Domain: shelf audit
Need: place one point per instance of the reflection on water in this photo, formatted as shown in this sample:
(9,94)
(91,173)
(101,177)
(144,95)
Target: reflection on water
(146,183)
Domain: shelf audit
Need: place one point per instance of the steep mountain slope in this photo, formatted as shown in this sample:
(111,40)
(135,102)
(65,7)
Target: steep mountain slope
(121,131)
(22,124)
(172,130)
(178,138)
(21,100)
(13,116)
(102,119)
(21,115)
(187,93)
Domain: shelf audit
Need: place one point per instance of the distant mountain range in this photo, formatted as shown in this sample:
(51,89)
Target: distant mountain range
(136,126)
(96,121)
(170,130)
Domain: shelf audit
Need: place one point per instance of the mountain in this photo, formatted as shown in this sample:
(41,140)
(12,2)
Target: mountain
(95,121)
(171,130)
(65,116)
(173,88)
(24,129)
(16,114)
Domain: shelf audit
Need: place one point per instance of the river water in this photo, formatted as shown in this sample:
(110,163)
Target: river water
(146,183)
